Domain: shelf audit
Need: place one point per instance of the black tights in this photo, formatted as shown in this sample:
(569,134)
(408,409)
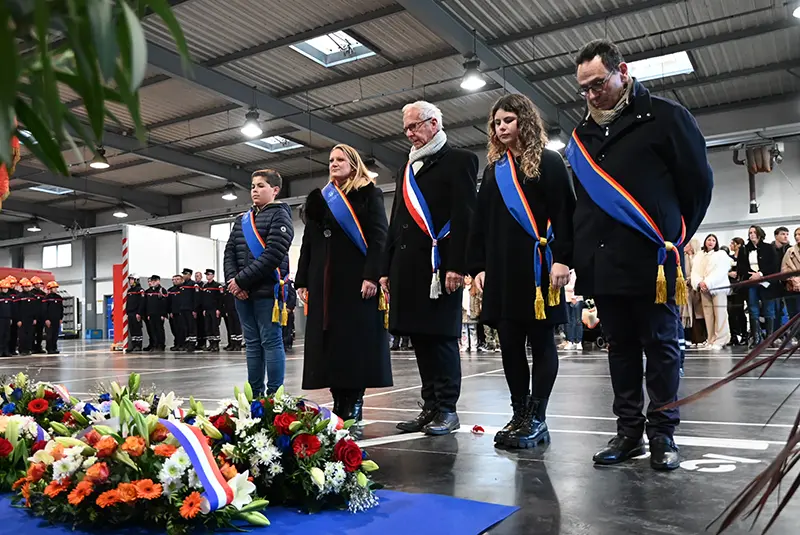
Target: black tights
(513,337)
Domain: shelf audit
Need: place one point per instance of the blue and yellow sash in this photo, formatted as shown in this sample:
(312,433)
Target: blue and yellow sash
(418,208)
(256,244)
(345,215)
(618,203)
(511,190)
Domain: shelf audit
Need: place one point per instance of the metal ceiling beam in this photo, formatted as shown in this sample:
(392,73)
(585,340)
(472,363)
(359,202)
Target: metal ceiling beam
(154,204)
(705,80)
(192,116)
(447,27)
(58,216)
(244,95)
(242,139)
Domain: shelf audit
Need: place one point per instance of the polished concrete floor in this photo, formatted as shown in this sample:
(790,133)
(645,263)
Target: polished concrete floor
(723,440)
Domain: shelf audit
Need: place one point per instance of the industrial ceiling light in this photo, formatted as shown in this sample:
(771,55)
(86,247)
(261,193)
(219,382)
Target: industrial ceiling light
(34,227)
(230,193)
(796,12)
(555,144)
(473,79)
(120,212)
(251,128)
(99,161)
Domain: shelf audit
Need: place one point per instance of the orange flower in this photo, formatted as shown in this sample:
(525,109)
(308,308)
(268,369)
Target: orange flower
(106,446)
(228,471)
(191,505)
(159,434)
(58,452)
(54,488)
(97,473)
(83,490)
(127,492)
(92,438)
(18,483)
(134,446)
(147,490)
(26,493)
(36,472)
(109,497)
(165,450)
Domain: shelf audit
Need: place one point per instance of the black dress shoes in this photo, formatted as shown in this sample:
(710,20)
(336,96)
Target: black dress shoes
(620,449)
(664,454)
(415,425)
(443,424)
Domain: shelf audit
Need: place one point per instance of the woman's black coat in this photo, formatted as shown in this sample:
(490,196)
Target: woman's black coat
(768,264)
(505,251)
(448,181)
(346,344)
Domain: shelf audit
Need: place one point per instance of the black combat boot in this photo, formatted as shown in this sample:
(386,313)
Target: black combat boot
(533,430)
(518,404)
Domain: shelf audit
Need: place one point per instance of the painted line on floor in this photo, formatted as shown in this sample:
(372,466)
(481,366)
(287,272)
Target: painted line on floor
(596,418)
(143,373)
(599,376)
(681,440)
(391,439)
(406,389)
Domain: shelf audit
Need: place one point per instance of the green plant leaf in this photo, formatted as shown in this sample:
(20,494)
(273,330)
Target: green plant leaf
(44,147)
(52,100)
(163,10)
(138,48)
(100,16)
(9,76)
(123,457)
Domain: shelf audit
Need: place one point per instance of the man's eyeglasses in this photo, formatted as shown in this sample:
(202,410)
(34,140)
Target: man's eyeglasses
(414,126)
(596,86)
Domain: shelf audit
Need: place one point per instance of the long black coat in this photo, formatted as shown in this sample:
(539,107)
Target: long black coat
(448,181)
(346,344)
(505,251)
(656,151)
(769,263)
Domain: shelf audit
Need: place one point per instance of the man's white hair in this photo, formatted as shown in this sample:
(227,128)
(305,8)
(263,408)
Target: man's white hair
(426,110)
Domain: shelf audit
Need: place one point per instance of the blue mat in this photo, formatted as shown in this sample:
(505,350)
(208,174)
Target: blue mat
(398,513)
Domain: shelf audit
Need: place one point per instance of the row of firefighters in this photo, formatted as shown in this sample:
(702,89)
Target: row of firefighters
(194,309)
(30,314)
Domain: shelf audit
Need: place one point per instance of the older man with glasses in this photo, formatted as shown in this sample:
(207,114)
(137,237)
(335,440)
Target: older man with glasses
(643,186)
(433,204)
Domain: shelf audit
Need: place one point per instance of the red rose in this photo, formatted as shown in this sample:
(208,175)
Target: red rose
(5,448)
(92,438)
(348,453)
(38,446)
(304,446)
(223,423)
(67,419)
(38,406)
(283,421)
(49,395)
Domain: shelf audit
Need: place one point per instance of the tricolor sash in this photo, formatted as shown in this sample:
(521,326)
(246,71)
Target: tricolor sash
(345,215)
(618,203)
(514,198)
(418,208)
(215,489)
(256,244)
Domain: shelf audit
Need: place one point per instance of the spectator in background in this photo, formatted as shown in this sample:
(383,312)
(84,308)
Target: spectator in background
(574,327)
(757,260)
(709,278)
(694,304)
(791,264)
(782,245)
(470,305)
(736,317)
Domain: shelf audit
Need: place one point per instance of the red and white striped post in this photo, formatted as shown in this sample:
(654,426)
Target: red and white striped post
(124,290)
(121,298)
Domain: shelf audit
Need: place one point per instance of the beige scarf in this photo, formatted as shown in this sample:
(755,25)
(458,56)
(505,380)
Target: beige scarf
(605,117)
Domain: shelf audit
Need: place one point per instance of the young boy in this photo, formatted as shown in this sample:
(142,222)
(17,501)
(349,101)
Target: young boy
(53,313)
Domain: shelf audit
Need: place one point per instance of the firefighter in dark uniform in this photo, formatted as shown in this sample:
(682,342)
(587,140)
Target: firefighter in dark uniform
(232,324)
(154,308)
(6,310)
(13,332)
(28,312)
(132,309)
(201,323)
(146,321)
(187,305)
(175,323)
(212,309)
(38,329)
(290,298)
(53,305)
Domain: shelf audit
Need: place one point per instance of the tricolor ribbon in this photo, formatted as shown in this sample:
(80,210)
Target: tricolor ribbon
(418,208)
(215,489)
(618,203)
(514,198)
(344,214)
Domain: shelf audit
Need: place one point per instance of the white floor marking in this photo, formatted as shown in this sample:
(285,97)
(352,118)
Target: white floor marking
(125,374)
(391,439)
(710,378)
(416,387)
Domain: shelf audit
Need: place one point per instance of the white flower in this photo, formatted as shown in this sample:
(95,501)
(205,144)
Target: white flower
(225,404)
(63,469)
(74,451)
(98,417)
(170,472)
(194,481)
(42,456)
(342,433)
(275,469)
(181,459)
(243,424)
(260,440)
(171,487)
(89,462)
(335,476)
(242,489)
(317,477)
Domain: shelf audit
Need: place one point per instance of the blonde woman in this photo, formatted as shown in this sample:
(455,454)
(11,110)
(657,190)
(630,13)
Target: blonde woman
(346,345)
(709,274)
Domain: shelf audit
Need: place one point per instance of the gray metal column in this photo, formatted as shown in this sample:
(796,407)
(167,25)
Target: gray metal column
(89,284)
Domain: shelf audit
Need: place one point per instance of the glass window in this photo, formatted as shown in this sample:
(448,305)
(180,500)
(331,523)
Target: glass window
(221,231)
(57,256)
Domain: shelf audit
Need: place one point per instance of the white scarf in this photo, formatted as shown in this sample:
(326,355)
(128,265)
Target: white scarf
(431,147)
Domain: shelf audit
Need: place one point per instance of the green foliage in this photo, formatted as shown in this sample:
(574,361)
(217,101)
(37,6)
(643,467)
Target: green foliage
(96,48)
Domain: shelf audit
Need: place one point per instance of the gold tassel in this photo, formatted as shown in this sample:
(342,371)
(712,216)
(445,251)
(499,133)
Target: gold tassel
(276,313)
(382,301)
(553,297)
(284,316)
(661,286)
(681,297)
(539,304)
